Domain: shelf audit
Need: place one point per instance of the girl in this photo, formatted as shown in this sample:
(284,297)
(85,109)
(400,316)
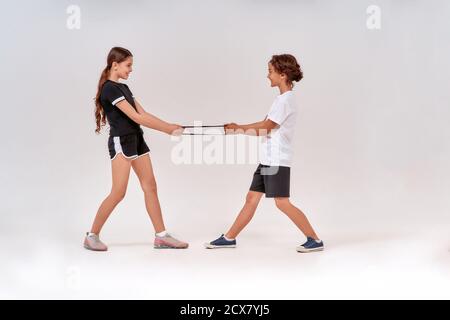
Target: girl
(127,148)
(272,176)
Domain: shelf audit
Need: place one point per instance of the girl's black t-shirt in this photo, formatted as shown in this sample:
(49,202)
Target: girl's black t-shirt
(120,124)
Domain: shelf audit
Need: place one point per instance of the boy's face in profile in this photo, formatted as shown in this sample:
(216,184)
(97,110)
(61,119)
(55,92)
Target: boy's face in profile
(274,77)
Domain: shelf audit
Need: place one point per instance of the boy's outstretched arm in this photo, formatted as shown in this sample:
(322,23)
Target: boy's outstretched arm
(261,128)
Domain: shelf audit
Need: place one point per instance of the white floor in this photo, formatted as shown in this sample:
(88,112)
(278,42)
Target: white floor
(358,265)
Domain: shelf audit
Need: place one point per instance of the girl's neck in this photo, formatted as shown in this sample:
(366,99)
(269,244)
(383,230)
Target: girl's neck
(114,78)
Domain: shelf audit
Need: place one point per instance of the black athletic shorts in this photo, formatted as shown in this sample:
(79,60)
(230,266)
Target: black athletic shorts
(131,146)
(274,181)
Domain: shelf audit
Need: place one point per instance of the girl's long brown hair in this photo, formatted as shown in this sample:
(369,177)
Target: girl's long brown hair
(116,54)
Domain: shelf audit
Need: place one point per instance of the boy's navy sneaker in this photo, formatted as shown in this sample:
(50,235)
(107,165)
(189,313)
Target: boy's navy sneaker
(311,245)
(221,242)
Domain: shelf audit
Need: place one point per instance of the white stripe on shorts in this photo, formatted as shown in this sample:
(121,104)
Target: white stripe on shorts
(118,149)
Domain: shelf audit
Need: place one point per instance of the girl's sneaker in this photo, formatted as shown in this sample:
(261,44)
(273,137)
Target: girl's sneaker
(169,242)
(221,242)
(311,245)
(92,242)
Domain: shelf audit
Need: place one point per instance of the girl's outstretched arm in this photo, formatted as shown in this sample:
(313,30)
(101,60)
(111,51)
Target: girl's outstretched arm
(139,107)
(148,120)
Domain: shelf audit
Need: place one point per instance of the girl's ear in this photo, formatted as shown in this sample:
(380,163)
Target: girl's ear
(114,65)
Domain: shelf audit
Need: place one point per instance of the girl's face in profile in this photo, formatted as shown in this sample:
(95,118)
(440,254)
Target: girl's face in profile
(124,68)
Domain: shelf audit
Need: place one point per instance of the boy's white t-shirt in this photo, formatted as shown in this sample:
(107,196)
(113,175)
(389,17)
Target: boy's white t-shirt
(276,149)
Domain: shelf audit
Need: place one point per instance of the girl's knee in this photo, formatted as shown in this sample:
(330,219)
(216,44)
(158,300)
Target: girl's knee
(149,187)
(118,195)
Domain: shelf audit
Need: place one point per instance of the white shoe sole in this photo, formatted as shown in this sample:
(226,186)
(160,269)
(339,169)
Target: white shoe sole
(303,250)
(92,249)
(211,246)
(168,247)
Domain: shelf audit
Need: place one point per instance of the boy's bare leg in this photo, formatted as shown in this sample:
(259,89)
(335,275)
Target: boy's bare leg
(245,215)
(297,216)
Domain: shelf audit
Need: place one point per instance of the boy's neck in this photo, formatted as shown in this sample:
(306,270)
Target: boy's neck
(284,88)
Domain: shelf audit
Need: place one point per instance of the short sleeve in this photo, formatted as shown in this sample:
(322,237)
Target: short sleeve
(279,112)
(112,94)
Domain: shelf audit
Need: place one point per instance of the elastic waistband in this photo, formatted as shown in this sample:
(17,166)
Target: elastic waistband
(141,132)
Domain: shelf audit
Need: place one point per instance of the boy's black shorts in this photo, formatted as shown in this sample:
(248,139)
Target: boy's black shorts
(274,181)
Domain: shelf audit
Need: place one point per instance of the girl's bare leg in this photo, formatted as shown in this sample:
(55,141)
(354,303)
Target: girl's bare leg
(142,166)
(245,215)
(297,216)
(120,174)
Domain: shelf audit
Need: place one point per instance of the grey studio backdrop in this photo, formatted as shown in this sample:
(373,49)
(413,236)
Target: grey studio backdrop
(372,144)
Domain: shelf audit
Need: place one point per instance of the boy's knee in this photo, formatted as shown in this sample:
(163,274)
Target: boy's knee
(251,199)
(282,203)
